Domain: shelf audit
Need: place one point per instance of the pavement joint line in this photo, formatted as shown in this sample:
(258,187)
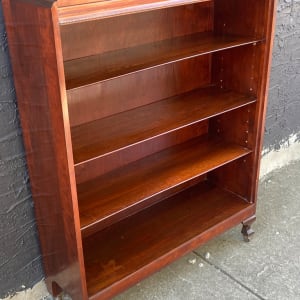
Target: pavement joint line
(230,276)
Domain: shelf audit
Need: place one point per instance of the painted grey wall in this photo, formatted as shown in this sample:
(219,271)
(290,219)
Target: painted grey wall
(20,263)
(283,115)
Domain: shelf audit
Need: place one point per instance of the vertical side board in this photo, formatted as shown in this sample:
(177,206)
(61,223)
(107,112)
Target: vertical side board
(231,17)
(36,54)
(263,88)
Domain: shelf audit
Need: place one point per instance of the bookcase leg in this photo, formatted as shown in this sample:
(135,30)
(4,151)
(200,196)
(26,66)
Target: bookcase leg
(56,290)
(247,231)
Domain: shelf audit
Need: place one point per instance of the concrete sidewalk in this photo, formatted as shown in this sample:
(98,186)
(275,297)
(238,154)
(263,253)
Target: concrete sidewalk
(227,268)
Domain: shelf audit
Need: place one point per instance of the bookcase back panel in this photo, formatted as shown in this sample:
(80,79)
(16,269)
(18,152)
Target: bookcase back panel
(94,37)
(117,159)
(114,96)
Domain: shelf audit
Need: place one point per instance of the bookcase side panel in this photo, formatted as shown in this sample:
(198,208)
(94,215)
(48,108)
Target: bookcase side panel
(247,69)
(35,50)
(263,87)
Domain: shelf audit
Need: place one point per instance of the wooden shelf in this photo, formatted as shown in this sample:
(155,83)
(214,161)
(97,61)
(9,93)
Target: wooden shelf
(115,195)
(135,244)
(92,69)
(100,137)
(81,10)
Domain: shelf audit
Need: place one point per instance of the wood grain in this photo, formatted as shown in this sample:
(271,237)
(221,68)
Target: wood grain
(122,192)
(163,164)
(93,102)
(93,69)
(71,12)
(245,70)
(93,38)
(33,39)
(269,17)
(93,168)
(113,133)
(165,231)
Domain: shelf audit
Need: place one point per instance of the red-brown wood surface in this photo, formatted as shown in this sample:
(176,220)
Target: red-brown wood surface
(240,170)
(110,134)
(93,102)
(103,9)
(124,253)
(236,127)
(265,67)
(246,70)
(104,164)
(119,193)
(242,17)
(93,37)
(151,51)
(92,69)
(33,40)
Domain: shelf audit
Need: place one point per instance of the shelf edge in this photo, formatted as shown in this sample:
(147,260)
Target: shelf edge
(250,41)
(74,14)
(150,200)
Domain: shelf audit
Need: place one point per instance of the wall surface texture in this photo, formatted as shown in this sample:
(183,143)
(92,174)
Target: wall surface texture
(20,259)
(283,121)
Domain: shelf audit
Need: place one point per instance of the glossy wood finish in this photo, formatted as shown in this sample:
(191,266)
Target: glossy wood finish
(107,143)
(93,102)
(103,201)
(251,71)
(165,232)
(242,17)
(166,102)
(134,30)
(110,134)
(70,13)
(260,115)
(44,116)
(235,127)
(92,69)
(96,167)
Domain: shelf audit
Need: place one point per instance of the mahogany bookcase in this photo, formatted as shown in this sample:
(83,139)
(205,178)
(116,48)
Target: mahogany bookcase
(143,124)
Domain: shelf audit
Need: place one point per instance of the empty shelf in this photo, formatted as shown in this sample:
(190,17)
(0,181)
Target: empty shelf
(115,195)
(147,241)
(92,69)
(100,137)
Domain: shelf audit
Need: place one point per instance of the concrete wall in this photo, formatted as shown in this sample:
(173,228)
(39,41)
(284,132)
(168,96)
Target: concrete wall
(283,116)
(282,131)
(20,263)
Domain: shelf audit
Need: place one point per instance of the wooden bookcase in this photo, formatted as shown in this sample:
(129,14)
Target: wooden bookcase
(143,124)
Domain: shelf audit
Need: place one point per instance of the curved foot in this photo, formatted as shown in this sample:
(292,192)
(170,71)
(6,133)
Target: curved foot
(247,231)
